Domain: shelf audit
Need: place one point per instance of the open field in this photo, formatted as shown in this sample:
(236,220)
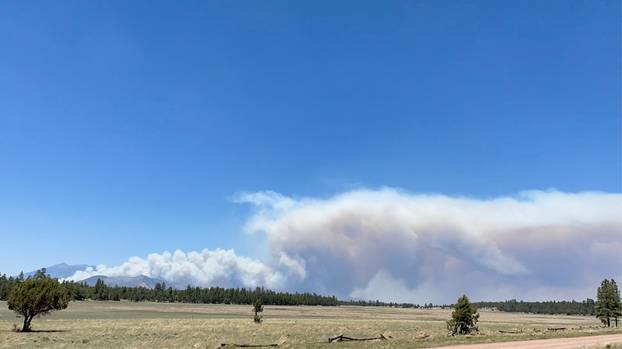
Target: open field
(93,324)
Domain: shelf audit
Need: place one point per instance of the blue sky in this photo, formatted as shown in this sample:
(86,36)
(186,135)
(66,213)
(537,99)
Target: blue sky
(126,127)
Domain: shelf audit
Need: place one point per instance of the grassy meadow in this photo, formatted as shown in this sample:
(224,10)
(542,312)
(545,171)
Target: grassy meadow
(92,324)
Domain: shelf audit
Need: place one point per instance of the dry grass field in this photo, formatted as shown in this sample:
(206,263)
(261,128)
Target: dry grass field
(118,325)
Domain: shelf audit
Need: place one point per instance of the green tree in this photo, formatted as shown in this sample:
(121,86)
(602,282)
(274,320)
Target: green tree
(101,290)
(617,305)
(464,318)
(37,296)
(608,305)
(257,308)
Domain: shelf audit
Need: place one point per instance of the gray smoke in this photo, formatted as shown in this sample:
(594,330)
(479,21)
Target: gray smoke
(389,244)
(397,246)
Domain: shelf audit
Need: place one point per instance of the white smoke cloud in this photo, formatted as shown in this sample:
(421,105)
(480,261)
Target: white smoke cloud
(206,268)
(392,245)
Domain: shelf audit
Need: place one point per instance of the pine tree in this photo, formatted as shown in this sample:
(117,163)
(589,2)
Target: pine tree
(608,305)
(101,290)
(257,308)
(615,301)
(464,318)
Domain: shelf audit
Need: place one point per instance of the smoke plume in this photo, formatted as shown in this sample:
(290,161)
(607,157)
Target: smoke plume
(398,246)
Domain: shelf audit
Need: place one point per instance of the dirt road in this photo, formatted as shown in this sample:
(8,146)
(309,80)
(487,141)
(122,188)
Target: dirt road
(557,343)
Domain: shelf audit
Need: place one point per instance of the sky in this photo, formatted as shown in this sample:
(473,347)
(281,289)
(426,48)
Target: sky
(251,129)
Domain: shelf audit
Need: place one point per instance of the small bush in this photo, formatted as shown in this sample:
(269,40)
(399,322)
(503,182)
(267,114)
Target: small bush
(257,308)
(464,318)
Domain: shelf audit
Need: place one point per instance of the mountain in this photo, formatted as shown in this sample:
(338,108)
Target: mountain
(64,270)
(61,271)
(124,281)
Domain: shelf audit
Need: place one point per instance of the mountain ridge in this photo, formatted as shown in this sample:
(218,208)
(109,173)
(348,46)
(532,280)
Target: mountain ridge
(61,270)
(64,270)
(123,281)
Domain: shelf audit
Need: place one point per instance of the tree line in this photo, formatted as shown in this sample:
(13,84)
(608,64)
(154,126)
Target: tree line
(585,307)
(607,306)
(607,293)
(163,293)
(378,303)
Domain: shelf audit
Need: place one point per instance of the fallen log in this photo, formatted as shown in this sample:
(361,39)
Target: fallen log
(556,328)
(342,338)
(513,332)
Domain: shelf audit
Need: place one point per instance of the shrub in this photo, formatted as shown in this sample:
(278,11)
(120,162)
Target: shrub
(464,318)
(37,296)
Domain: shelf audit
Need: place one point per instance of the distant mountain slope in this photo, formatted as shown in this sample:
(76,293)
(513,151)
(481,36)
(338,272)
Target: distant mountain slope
(64,270)
(123,281)
(61,270)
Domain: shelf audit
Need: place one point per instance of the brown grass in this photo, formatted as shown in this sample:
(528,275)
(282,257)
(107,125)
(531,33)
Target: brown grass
(152,325)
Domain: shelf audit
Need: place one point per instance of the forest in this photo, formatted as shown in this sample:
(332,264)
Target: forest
(162,293)
(218,295)
(585,307)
